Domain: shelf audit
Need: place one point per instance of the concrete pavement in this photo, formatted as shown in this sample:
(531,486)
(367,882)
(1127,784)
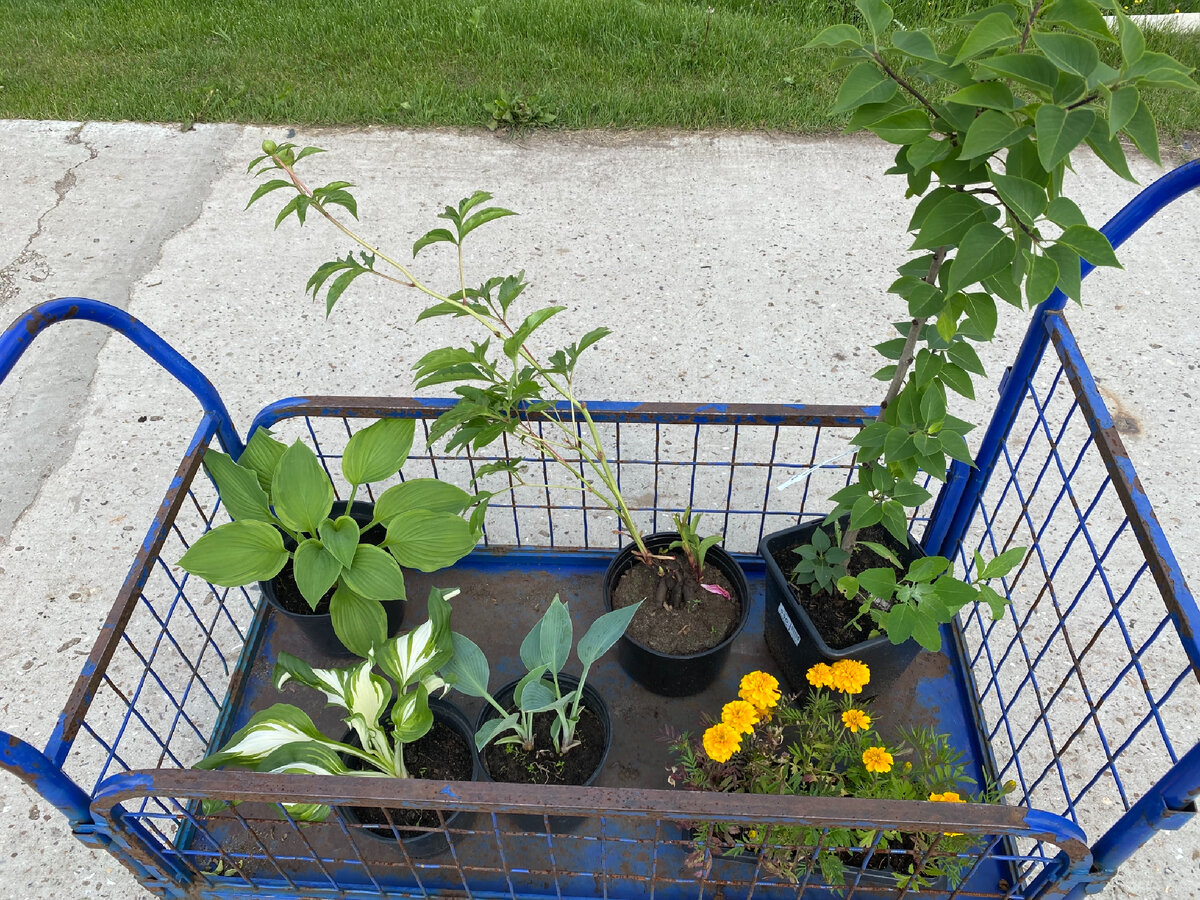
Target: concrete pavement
(731,268)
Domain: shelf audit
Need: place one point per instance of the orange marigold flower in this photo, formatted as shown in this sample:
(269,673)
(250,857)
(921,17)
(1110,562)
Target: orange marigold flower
(740,716)
(948,797)
(877,759)
(759,689)
(721,741)
(856,720)
(850,676)
(820,675)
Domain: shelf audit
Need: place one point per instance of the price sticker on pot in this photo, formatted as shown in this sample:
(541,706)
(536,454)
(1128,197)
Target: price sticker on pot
(787,623)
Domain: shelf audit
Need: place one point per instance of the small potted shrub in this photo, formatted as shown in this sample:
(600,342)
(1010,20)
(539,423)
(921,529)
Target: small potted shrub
(825,745)
(509,387)
(332,568)
(546,727)
(397,729)
(984,124)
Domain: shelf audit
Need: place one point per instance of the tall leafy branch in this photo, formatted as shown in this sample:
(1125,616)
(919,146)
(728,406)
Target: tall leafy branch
(984,125)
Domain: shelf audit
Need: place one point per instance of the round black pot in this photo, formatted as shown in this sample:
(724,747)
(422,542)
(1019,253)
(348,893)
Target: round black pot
(593,701)
(793,639)
(668,674)
(423,844)
(317,628)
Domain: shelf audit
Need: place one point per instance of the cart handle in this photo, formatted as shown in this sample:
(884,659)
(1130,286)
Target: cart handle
(20,334)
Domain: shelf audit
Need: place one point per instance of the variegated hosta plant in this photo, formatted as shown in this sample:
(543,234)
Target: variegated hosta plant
(283,739)
(275,490)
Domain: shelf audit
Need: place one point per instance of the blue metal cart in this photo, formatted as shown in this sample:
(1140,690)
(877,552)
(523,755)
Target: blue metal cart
(1078,695)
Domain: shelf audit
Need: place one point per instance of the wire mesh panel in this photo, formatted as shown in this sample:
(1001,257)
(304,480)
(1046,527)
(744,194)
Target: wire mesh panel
(1086,690)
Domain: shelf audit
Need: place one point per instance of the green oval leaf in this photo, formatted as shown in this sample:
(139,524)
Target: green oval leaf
(238,487)
(301,491)
(315,569)
(340,538)
(360,623)
(262,454)
(427,494)
(605,632)
(378,451)
(429,541)
(374,575)
(237,553)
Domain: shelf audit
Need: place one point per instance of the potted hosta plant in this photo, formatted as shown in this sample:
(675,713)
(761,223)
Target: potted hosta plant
(984,118)
(396,728)
(509,387)
(825,745)
(334,568)
(547,727)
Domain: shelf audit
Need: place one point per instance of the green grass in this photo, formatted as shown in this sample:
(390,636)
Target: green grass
(594,63)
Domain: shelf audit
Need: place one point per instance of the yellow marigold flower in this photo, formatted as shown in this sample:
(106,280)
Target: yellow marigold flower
(856,720)
(759,689)
(740,716)
(820,675)
(877,759)
(850,676)
(721,741)
(948,797)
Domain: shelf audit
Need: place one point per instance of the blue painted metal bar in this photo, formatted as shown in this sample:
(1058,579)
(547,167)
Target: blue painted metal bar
(35,769)
(17,338)
(946,533)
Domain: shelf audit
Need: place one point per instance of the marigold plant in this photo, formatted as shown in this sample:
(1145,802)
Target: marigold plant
(823,745)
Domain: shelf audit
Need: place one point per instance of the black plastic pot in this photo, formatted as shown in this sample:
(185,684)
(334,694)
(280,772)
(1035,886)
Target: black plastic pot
(421,845)
(794,641)
(667,674)
(593,701)
(317,628)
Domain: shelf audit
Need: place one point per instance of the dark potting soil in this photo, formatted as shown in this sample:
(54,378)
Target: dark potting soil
(442,754)
(702,619)
(513,764)
(287,593)
(832,613)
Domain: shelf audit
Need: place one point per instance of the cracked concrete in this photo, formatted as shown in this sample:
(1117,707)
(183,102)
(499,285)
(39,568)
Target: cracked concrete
(797,236)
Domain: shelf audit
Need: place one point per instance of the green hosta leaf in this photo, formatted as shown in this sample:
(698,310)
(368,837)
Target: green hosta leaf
(408,658)
(984,251)
(468,668)
(237,553)
(992,31)
(1090,244)
(340,537)
(533,694)
(378,451)
(301,491)
(864,84)
(267,730)
(411,716)
(333,683)
(1060,131)
(315,569)
(838,36)
(493,727)
(605,632)
(238,487)
(917,44)
(374,575)
(555,636)
(429,541)
(421,494)
(987,95)
(1068,51)
(359,622)
(262,454)
(1026,199)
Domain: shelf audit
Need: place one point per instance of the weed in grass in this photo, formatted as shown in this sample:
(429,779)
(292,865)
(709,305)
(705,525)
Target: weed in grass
(517,112)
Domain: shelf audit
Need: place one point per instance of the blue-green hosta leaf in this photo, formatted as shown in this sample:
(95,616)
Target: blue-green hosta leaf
(492,727)
(262,455)
(359,622)
(468,668)
(301,491)
(267,730)
(378,451)
(340,538)
(238,486)
(556,636)
(427,494)
(374,575)
(315,569)
(605,632)
(531,646)
(237,553)
(428,541)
